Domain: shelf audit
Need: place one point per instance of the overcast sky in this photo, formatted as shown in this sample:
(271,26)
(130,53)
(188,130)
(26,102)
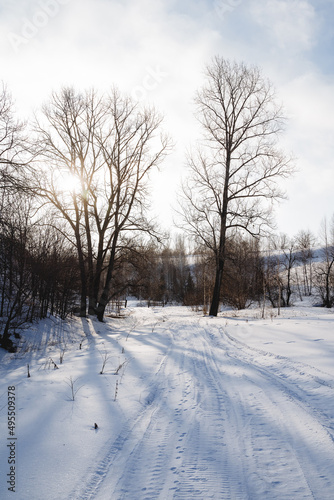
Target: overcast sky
(156,50)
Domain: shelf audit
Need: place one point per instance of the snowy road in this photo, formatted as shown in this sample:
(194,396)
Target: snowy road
(219,419)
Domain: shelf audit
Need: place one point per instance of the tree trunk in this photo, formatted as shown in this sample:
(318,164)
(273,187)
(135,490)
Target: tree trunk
(328,302)
(222,243)
(288,288)
(97,276)
(214,308)
(91,298)
(5,341)
(102,305)
(91,303)
(83,278)
(106,292)
(216,290)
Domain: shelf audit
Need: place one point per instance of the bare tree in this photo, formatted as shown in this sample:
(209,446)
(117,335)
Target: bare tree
(14,266)
(287,258)
(305,241)
(235,177)
(109,146)
(12,145)
(243,276)
(13,222)
(325,270)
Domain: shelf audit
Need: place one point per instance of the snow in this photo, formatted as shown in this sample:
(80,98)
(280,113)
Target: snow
(187,406)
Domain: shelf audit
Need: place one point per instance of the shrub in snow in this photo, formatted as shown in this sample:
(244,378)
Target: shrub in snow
(105,356)
(74,390)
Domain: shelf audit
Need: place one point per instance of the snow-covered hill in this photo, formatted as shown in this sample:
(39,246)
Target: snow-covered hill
(235,407)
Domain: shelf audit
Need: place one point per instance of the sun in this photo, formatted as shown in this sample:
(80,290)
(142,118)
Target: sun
(67,183)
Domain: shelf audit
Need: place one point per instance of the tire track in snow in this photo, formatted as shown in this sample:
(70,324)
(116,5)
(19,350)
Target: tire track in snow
(302,445)
(217,424)
(147,474)
(116,452)
(178,447)
(210,467)
(152,468)
(299,381)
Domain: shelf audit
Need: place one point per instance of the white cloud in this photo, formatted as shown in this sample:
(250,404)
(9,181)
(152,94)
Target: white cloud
(309,102)
(289,24)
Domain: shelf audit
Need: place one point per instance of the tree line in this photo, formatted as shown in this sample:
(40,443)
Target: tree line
(75,231)
(277,270)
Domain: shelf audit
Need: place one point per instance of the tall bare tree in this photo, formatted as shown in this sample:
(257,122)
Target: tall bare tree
(109,145)
(287,258)
(305,242)
(325,269)
(12,143)
(235,176)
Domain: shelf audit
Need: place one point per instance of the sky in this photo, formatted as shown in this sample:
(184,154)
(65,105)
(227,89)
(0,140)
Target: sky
(157,50)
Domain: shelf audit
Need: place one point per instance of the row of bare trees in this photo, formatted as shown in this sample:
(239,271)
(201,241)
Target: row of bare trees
(74,212)
(301,266)
(38,271)
(73,198)
(107,146)
(278,270)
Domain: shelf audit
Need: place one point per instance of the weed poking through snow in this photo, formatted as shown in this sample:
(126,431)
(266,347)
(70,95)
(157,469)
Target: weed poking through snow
(105,356)
(120,366)
(116,390)
(132,328)
(49,362)
(74,390)
(61,356)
